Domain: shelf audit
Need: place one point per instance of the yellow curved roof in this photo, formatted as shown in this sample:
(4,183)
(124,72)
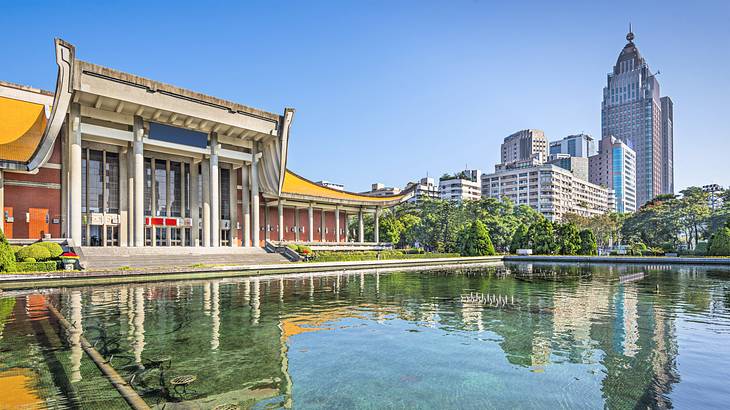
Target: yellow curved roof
(294,184)
(21,128)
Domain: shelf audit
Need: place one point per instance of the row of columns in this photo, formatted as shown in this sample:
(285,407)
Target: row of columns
(310,224)
(134,182)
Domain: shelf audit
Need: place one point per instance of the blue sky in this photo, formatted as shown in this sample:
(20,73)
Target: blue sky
(388,91)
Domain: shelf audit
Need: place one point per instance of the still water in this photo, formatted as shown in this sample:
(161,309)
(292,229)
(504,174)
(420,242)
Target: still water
(505,336)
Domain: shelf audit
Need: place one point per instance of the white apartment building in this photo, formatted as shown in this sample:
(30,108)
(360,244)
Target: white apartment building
(549,189)
(425,188)
(459,189)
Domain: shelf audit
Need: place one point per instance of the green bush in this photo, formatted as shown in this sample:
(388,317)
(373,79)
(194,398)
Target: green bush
(15,248)
(720,243)
(39,253)
(474,240)
(54,248)
(7,256)
(352,256)
(29,260)
(36,266)
(588,245)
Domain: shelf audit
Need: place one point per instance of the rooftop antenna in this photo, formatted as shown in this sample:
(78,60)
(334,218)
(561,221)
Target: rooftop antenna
(630,35)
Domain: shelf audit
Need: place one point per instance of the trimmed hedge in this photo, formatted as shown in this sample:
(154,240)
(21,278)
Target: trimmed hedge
(351,256)
(7,257)
(55,249)
(36,266)
(35,251)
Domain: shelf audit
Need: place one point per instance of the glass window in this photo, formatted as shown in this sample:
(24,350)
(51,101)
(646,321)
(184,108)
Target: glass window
(95,183)
(160,188)
(225,190)
(111,180)
(83,182)
(175,194)
(147,186)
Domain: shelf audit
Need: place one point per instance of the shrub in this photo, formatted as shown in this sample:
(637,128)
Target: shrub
(7,256)
(34,251)
(720,243)
(37,266)
(29,260)
(475,241)
(54,248)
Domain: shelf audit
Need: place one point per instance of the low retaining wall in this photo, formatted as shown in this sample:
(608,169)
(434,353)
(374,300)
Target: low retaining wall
(619,259)
(14,282)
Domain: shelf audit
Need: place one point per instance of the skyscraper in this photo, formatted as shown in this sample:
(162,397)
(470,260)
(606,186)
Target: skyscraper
(614,167)
(579,145)
(525,145)
(632,111)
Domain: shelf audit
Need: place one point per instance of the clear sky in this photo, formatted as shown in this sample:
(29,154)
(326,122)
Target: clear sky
(388,91)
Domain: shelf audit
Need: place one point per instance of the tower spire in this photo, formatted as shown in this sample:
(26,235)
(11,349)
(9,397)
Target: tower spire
(630,35)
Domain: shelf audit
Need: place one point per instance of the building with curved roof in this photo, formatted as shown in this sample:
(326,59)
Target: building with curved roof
(120,160)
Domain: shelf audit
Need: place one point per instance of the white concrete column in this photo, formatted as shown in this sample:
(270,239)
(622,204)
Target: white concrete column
(215,194)
(123,193)
(360,227)
(280,209)
(194,204)
(139,183)
(233,186)
(323,226)
(347,227)
(75,177)
(129,164)
(205,168)
(337,224)
(246,205)
(255,194)
(377,225)
(310,224)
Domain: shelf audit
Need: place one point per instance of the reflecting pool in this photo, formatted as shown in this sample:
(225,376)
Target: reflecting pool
(503,336)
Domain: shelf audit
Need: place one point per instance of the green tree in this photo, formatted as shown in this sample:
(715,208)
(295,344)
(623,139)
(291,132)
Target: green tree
(391,228)
(568,239)
(474,240)
(541,237)
(720,243)
(588,245)
(519,238)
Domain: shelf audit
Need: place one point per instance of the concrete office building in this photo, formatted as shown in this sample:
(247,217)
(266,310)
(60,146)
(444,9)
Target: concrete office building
(112,159)
(462,186)
(614,167)
(633,111)
(549,189)
(524,145)
(579,145)
(333,185)
(379,189)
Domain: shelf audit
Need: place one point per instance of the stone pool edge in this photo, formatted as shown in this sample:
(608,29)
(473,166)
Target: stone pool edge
(17,282)
(667,260)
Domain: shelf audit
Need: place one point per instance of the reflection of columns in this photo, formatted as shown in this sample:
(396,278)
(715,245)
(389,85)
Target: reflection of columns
(362,283)
(215,194)
(311,287)
(377,283)
(139,183)
(246,204)
(281,290)
(376,228)
(360,227)
(255,302)
(215,340)
(280,222)
(206,298)
(74,200)
(194,203)
(246,291)
(255,193)
(74,337)
(138,324)
(205,167)
(337,224)
(310,223)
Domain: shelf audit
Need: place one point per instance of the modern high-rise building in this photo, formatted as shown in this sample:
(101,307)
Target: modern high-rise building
(577,165)
(524,145)
(425,188)
(579,145)
(667,145)
(614,167)
(549,189)
(632,111)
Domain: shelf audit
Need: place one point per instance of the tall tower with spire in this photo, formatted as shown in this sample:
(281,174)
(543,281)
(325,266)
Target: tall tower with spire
(633,111)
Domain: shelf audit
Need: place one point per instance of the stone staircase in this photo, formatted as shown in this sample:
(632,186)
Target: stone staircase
(115,258)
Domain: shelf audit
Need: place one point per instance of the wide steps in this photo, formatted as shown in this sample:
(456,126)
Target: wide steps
(100,258)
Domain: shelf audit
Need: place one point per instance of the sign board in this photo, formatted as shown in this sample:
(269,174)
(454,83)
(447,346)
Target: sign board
(97,219)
